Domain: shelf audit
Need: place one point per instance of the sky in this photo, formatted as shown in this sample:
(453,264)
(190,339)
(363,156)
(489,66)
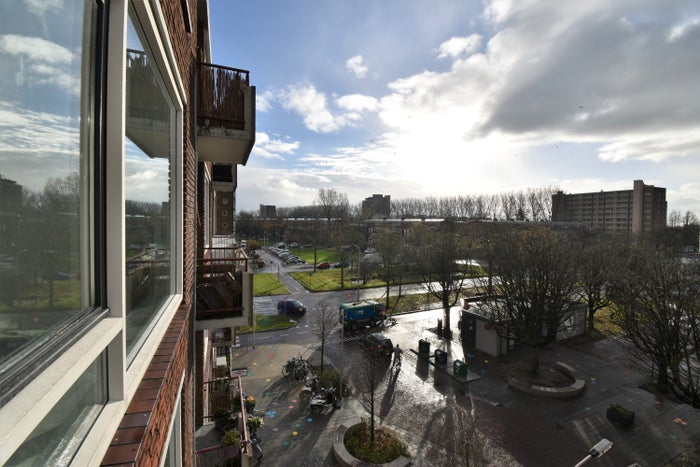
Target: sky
(418,98)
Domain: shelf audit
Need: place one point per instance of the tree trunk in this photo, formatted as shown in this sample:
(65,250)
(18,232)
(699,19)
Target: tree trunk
(322,346)
(591,320)
(446,312)
(662,379)
(535,362)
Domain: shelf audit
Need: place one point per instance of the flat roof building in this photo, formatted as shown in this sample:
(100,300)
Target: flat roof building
(639,210)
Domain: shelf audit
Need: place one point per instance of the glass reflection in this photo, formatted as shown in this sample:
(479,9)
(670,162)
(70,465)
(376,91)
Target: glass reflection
(149,125)
(58,436)
(47,52)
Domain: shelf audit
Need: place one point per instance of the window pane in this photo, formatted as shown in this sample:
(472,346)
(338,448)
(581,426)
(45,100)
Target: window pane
(58,436)
(149,148)
(47,63)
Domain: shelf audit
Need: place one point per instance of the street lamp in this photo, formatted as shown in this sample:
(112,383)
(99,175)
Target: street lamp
(342,358)
(598,450)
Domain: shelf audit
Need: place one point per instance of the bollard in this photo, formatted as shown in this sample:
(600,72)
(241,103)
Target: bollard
(423,348)
(440,357)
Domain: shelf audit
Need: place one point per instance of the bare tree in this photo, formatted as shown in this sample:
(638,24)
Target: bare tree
(597,265)
(324,321)
(537,282)
(675,219)
(435,252)
(370,374)
(656,304)
(390,246)
(332,206)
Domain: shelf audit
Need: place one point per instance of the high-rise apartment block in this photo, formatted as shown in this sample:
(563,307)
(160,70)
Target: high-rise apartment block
(376,206)
(268,211)
(639,210)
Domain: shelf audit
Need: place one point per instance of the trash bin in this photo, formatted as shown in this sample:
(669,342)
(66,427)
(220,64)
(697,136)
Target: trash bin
(440,357)
(460,368)
(423,348)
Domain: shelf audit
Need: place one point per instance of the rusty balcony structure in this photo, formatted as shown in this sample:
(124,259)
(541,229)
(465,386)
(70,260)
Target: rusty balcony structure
(224,288)
(225,114)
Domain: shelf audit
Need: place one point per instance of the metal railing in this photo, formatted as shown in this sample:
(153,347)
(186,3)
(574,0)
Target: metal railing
(221,96)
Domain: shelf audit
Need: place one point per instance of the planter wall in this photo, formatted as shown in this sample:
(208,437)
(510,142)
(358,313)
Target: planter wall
(624,419)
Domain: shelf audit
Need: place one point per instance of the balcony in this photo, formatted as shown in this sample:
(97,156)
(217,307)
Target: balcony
(225,114)
(224,289)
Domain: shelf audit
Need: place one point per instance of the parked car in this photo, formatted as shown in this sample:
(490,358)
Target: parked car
(294,245)
(379,344)
(323,265)
(341,264)
(291,307)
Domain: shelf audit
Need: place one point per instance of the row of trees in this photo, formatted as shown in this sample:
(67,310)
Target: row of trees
(532,204)
(538,278)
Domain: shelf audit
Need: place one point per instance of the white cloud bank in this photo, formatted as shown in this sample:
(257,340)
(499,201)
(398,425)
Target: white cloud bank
(618,78)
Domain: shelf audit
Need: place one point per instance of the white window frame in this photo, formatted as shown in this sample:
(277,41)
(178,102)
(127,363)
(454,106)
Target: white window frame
(22,414)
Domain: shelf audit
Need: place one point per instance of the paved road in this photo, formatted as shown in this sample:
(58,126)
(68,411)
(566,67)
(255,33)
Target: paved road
(438,416)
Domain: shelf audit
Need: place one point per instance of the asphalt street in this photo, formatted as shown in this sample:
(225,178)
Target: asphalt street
(442,418)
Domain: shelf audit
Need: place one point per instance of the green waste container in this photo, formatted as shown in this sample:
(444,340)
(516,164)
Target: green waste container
(460,368)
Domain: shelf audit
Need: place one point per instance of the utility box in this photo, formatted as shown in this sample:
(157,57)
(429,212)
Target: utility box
(440,357)
(460,368)
(423,348)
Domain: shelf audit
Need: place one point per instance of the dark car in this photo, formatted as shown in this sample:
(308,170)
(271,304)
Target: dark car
(341,264)
(324,265)
(379,344)
(291,307)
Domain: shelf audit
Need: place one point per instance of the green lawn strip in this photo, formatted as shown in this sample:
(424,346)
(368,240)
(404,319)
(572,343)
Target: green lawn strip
(329,280)
(268,323)
(266,283)
(307,254)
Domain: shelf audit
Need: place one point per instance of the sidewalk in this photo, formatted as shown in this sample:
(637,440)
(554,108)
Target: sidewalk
(436,414)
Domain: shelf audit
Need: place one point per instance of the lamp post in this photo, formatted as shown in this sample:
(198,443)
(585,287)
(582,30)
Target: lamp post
(342,358)
(359,258)
(600,448)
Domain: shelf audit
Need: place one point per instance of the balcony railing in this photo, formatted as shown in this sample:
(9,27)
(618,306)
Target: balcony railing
(225,114)
(220,288)
(221,96)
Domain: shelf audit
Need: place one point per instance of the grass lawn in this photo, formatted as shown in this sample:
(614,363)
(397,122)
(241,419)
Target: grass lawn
(329,279)
(269,323)
(266,283)
(604,324)
(307,254)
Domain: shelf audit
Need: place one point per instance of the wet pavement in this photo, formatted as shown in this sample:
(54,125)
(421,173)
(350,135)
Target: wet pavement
(442,417)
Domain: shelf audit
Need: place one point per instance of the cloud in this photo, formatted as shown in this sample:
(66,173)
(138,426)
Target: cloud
(612,82)
(39,7)
(316,112)
(592,72)
(680,30)
(268,148)
(311,105)
(47,63)
(34,49)
(457,46)
(355,65)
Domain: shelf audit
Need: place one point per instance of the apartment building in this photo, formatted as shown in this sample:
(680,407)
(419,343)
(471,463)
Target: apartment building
(376,205)
(637,211)
(117,295)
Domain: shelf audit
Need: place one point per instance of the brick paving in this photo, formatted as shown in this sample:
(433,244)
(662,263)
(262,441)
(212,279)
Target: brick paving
(502,426)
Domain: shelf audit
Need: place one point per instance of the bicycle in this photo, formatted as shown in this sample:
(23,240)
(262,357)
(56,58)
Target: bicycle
(297,368)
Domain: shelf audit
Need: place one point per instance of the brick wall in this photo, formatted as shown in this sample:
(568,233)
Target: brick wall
(142,435)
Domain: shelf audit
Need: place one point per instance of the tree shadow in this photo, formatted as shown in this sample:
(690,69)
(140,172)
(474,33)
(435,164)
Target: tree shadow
(389,394)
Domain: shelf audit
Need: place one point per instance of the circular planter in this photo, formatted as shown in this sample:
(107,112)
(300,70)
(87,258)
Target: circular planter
(345,459)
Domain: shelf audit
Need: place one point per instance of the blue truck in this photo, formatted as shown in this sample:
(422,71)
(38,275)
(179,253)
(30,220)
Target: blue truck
(355,315)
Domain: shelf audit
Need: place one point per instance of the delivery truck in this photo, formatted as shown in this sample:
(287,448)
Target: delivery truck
(355,315)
